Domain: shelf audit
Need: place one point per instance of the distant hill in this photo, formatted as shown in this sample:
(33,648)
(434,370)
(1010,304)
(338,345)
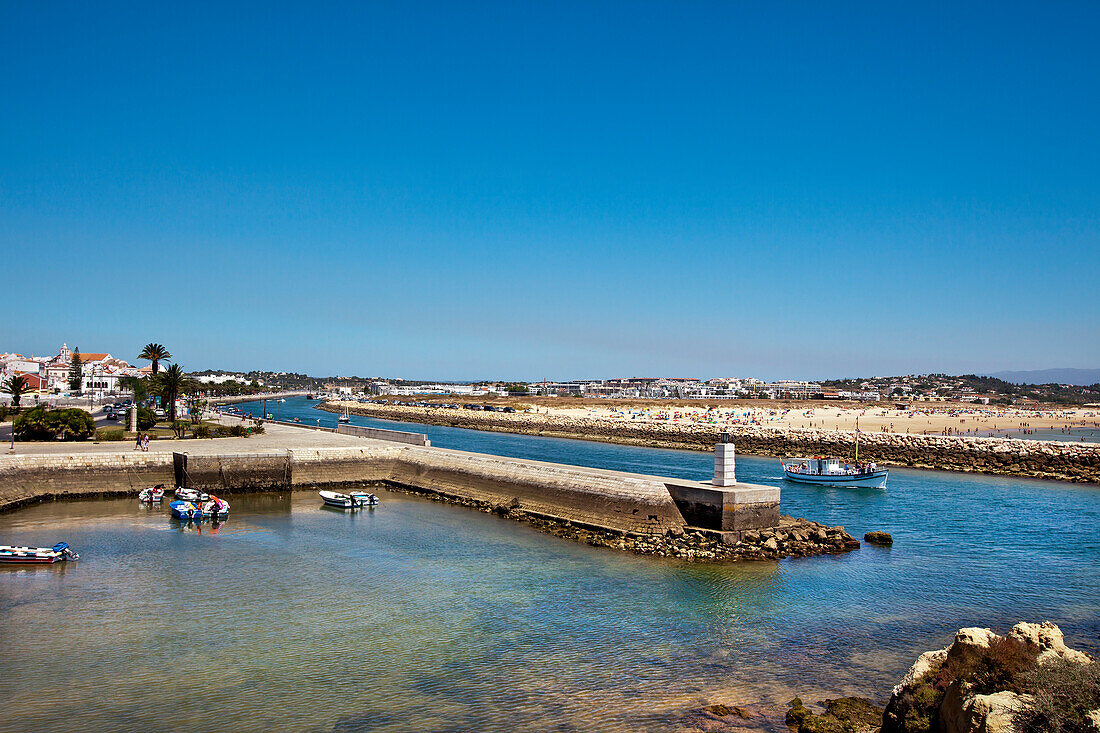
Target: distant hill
(1079,377)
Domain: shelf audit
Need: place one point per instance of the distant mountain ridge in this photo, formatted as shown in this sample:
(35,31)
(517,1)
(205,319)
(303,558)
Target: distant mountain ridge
(1078,377)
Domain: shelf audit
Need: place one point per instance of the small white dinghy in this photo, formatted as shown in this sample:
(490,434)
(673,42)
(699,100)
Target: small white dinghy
(354,500)
(151,495)
(191,494)
(216,508)
(362,498)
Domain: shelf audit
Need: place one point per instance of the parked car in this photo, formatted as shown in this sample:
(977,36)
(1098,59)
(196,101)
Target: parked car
(507,409)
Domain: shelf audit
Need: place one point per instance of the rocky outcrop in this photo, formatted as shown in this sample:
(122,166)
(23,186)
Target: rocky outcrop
(1010,456)
(995,713)
(1049,640)
(879,538)
(983,682)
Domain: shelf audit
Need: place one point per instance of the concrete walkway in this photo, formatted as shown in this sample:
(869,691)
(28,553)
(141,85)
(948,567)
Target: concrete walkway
(275,437)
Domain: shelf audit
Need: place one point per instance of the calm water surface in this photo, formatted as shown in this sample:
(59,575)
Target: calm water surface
(424,616)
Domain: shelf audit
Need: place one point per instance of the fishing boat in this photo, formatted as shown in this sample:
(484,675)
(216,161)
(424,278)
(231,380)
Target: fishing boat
(833,471)
(354,500)
(216,508)
(346,417)
(362,498)
(340,501)
(37,555)
(193,495)
(151,495)
(185,510)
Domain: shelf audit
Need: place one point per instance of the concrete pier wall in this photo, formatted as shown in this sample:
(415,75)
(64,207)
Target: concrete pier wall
(28,478)
(397,436)
(625,502)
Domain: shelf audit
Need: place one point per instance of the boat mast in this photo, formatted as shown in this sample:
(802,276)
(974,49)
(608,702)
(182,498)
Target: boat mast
(857,438)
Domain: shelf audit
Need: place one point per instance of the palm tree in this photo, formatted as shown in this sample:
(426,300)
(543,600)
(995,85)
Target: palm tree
(156,354)
(171,383)
(17,386)
(137,385)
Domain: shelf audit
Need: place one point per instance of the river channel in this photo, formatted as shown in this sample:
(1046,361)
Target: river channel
(425,616)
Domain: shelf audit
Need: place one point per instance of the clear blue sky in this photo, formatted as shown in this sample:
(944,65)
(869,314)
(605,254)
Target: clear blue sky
(521,190)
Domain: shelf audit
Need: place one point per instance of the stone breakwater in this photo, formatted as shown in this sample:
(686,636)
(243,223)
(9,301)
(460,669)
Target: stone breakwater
(1066,461)
(794,537)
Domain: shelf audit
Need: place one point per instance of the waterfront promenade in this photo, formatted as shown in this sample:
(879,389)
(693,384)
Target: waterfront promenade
(274,437)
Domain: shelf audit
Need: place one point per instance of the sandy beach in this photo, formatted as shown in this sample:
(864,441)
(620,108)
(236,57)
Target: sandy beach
(938,419)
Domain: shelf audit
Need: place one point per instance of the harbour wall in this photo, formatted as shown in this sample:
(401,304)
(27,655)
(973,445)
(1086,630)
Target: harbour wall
(1065,461)
(607,499)
(397,436)
(624,502)
(24,479)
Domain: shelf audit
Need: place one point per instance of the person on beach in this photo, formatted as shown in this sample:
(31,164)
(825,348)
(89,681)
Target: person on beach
(137,443)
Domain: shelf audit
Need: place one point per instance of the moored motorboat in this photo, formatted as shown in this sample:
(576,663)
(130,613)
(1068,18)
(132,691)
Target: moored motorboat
(332,498)
(191,494)
(354,500)
(216,508)
(830,471)
(363,498)
(151,494)
(185,510)
(37,555)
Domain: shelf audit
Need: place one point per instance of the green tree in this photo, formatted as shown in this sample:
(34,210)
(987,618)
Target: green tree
(42,424)
(76,372)
(17,387)
(137,385)
(156,354)
(171,383)
(146,418)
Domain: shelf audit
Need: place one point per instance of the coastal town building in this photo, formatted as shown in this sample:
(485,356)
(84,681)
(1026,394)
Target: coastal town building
(100,372)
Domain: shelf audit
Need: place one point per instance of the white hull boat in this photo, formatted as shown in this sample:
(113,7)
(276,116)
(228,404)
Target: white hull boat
(216,508)
(183,494)
(37,555)
(354,500)
(151,495)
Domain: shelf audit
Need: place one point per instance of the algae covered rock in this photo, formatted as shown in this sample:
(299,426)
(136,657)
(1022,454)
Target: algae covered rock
(882,539)
(842,715)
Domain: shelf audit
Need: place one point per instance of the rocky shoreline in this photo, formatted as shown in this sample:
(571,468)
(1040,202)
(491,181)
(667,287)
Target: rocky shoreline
(1066,461)
(793,538)
(1027,681)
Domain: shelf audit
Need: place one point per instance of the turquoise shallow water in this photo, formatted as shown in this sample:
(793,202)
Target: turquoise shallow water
(425,616)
